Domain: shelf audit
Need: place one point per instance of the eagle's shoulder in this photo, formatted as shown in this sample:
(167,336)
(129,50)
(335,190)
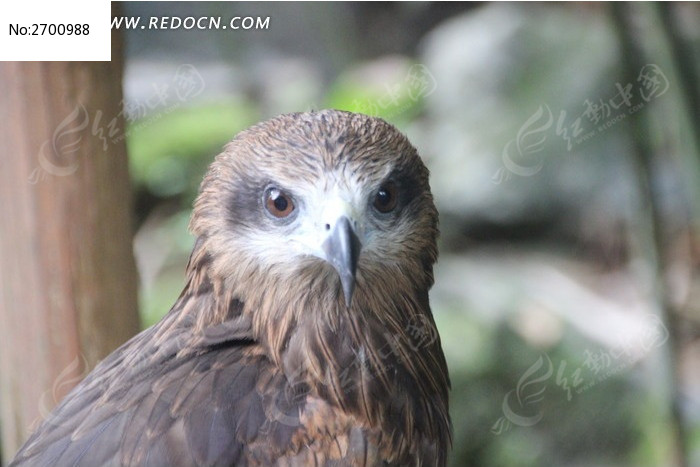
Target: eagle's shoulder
(211,400)
(167,401)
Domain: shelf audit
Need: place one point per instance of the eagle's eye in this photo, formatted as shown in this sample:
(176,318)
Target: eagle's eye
(386,198)
(278,203)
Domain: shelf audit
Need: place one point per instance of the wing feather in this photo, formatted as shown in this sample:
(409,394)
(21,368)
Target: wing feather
(208,397)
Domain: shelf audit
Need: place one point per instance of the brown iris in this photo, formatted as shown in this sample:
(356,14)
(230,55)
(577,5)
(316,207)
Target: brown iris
(386,198)
(278,203)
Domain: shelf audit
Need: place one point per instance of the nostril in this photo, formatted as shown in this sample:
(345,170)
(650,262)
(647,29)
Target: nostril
(328,227)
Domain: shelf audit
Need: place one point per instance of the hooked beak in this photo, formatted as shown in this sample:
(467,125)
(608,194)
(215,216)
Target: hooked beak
(342,248)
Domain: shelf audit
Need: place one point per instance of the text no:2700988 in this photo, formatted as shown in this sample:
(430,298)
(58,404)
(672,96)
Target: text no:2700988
(50,29)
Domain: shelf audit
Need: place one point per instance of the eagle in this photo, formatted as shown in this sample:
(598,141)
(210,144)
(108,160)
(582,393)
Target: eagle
(303,335)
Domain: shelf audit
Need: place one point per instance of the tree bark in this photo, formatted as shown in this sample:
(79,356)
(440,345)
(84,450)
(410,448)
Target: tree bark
(67,277)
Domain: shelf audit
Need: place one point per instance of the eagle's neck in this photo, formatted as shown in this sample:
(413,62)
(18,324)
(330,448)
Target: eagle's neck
(380,360)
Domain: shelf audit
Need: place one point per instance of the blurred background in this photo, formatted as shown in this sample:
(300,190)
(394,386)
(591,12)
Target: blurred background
(563,144)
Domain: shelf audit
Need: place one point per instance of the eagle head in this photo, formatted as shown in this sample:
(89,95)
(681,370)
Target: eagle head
(334,202)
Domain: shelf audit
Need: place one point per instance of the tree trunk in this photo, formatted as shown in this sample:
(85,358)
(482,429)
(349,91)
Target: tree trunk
(67,277)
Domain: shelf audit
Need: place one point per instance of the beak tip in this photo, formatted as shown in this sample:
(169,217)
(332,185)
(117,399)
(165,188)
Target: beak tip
(348,289)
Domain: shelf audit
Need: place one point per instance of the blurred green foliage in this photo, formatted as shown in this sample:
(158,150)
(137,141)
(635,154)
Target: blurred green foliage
(394,103)
(170,150)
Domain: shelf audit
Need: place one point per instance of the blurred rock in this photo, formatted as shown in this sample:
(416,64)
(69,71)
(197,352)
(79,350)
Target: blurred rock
(500,166)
